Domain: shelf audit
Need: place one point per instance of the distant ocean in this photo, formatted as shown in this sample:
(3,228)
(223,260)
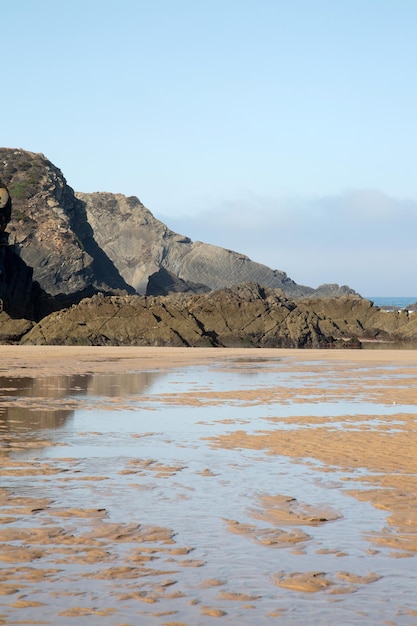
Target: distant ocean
(398,302)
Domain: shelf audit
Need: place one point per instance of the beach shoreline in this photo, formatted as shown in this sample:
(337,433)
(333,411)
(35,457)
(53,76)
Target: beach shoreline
(39,361)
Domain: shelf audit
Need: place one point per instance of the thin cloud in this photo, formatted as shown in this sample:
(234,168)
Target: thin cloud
(362,238)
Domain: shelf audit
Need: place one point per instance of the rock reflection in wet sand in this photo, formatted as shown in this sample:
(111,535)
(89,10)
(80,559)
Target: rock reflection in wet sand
(184,497)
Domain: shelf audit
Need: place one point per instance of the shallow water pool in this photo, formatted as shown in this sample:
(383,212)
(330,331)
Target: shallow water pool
(182,497)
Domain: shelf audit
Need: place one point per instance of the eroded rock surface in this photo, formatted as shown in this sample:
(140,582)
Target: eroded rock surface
(243,316)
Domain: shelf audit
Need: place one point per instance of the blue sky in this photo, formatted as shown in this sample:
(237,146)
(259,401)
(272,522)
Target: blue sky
(286,130)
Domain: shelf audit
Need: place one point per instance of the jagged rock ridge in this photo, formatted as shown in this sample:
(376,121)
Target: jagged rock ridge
(241,316)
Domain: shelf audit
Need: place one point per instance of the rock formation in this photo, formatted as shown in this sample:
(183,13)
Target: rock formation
(50,231)
(164,283)
(78,266)
(140,246)
(83,243)
(246,315)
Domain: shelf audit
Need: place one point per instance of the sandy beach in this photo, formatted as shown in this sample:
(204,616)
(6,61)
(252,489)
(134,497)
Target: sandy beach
(346,419)
(47,360)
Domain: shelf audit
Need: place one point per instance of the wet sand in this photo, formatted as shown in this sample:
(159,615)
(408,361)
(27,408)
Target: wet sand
(56,360)
(54,542)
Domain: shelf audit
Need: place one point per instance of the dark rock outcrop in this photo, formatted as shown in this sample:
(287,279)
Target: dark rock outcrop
(50,231)
(241,316)
(358,318)
(16,285)
(22,301)
(163,283)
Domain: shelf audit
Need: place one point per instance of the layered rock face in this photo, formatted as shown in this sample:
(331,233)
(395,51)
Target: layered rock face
(79,244)
(141,246)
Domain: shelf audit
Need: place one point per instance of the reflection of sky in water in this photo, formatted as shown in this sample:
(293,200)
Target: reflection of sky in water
(147,394)
(262,376)
(104,440)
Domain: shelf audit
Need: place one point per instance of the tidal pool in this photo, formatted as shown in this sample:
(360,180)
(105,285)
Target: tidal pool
(241,491)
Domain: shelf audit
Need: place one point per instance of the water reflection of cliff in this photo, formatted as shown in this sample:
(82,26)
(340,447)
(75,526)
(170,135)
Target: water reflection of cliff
(36,415)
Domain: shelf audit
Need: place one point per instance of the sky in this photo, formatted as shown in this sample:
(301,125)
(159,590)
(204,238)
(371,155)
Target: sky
(282,129)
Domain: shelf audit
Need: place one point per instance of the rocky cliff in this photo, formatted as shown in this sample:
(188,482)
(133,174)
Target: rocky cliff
(79,244)
(96,268)
(49,228)
(141,246)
